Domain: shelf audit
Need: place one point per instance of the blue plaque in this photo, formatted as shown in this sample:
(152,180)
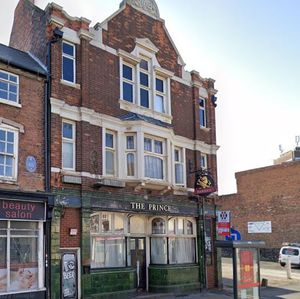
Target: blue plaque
(31,164)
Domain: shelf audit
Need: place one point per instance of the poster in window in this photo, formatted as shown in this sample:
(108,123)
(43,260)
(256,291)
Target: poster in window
(22,279)
(69,276)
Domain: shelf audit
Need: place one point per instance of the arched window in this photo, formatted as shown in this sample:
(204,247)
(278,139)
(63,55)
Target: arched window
(158,226)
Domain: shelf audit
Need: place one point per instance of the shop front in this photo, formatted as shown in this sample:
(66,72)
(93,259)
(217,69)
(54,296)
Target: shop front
(132,245)
(22,245)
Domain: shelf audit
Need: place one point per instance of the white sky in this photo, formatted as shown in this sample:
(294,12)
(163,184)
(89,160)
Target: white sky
(251,48)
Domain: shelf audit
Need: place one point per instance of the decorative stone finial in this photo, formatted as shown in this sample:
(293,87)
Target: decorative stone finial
(148,6)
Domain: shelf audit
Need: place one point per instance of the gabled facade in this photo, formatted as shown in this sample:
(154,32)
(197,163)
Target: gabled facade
(129,125)
(25,207)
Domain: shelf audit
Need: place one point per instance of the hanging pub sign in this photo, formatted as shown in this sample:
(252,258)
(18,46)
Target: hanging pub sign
(204,183)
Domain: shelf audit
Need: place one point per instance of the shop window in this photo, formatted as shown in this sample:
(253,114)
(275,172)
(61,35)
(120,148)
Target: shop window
(154,158)
(68,62)
(68,145)
(9,87)
(182,250)
(107,240)
(110,153)
(8,152)
(202,112)
(159,250)
(21,256)
(178,161)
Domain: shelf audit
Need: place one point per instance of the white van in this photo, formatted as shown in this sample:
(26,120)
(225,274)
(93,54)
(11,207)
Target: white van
(289,251)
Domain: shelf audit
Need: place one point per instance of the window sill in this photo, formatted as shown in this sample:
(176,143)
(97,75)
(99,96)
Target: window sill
(10,103)
(150,184)
(125,105)
(10,181)
(205,129)
(70,84)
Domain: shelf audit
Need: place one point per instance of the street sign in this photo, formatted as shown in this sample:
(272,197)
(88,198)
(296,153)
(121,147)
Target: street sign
(235,235)
(223,226)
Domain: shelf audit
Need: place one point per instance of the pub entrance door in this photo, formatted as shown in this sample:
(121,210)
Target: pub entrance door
(138,260)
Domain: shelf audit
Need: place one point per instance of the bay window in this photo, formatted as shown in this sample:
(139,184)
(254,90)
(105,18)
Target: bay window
(107,240)
(178,164)
(154,158)
(68,145)
(110,153)
(21,256)
(8,152)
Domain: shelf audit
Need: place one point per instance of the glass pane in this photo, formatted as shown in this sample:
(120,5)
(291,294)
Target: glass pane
(67,155)
(68,49)
(144,79)
(202,118)
(109,163)
(3,95)
(147,144)
(106,222)
(67,130)
(2,135)
(127,72)
(9,161)
(24,263)
(119,223)
(130,164)
(127,92)
(171,227)
(144,64)
(8,171)
(141,244)
(182,250)
(176,155)
(12,97)
(10,136)
(158,226)
(12,88)
(202,103)
(180,226)
(159,104)
(3,75)
(2,159)
(158,251)
(68,69)
(189,227)
(2,147)
(10,148)
(130,142)
(144,94)
(109,140)
(3,86)
(153,167)
(160,85)
(13,78)
(158,147)
(3,265)
(178,173)
(2,170)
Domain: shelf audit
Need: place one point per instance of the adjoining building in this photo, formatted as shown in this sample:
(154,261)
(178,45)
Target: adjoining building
(25,206)
(266,206)
(129,128)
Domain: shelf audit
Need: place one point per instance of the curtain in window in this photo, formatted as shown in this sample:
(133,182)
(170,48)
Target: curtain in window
(178,173)
(130,164)
(109,162)
(182,250)
(153,167)
(158,250)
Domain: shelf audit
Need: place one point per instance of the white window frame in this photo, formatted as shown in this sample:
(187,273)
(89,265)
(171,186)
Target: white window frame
(162,94)
(203,158)
(71,141)
(133,152)
(202,111)
(148,88)
(15,153)
(112,150)
(9,83)
(157,155)
(181,162)
(128,81)
(73,58)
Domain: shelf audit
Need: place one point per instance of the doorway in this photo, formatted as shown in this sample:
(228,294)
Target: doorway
(138,260)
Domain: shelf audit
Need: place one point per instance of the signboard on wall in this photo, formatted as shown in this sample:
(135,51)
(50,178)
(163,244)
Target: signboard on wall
(204,183)
(260,227)
(223,226)
(69,275)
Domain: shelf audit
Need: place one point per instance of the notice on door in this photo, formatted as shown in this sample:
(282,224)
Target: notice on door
(69,275)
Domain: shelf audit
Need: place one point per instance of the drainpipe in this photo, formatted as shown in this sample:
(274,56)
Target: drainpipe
(57,35)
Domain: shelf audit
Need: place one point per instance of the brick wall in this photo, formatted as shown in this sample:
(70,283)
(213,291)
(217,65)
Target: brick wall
(267,194)
(31,116)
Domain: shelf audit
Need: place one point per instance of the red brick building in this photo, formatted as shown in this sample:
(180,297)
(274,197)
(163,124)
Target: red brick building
(129,125)
(266,205)
(25,207)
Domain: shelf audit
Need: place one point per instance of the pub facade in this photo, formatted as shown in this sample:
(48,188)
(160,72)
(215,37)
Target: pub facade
(130,127)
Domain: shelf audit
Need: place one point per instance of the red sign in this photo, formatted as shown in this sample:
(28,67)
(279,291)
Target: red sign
(223,228)
(247,279)
(22,210)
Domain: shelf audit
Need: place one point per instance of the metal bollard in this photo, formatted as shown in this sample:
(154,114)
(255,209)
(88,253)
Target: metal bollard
(288,269)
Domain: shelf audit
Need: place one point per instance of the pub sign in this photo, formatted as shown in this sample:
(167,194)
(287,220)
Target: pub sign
(204,183)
